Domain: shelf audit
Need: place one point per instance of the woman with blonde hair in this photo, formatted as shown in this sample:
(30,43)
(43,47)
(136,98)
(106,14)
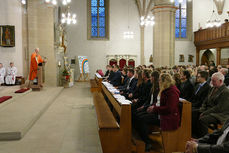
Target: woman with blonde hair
(166,114)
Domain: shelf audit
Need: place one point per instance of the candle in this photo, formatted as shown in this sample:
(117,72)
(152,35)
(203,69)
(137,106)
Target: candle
(59,64)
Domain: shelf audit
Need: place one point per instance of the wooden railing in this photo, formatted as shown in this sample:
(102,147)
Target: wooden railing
(215,35)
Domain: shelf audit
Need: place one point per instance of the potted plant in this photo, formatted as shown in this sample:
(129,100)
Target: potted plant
(66,74)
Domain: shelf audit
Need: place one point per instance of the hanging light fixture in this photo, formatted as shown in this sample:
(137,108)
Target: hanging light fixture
(65,2)
(68,18)
(214,21)
(53,2)
(23,2)
(147,21)
(128,35)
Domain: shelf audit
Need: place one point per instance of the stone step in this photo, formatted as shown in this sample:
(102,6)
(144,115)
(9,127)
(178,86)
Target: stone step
(19,116)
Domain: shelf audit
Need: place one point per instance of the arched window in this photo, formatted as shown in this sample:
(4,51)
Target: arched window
(181,19)
(98,19)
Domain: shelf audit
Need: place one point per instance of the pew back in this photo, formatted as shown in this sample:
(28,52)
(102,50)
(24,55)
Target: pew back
(115,136)
(174,141)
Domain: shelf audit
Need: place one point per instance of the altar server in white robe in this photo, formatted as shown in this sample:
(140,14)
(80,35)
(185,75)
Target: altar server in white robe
(2,74)
(11,74)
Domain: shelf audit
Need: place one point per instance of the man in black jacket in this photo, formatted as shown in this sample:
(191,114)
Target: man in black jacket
(125,79)
(217,142)
(132,83)
(109,68)
(116,79)
(201,90)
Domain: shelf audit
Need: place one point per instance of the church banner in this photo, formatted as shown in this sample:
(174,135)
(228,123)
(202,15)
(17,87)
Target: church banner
(83,64)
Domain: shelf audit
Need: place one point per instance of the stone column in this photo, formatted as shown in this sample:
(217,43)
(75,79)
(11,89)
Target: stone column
(41,35)
(164,33)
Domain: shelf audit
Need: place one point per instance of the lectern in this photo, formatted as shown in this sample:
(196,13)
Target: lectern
(40,70)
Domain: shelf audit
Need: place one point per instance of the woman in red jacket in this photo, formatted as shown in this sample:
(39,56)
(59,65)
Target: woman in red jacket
(165,113)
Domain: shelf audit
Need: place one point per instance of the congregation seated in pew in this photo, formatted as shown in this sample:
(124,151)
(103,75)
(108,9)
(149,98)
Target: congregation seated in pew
(193,82)
(164,114)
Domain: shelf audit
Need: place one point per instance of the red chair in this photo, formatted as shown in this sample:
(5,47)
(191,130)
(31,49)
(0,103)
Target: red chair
(131,62)
(122,63)
(113,62)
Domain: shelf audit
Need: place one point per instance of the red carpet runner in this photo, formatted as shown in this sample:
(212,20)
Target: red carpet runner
(4,98)
(22,90)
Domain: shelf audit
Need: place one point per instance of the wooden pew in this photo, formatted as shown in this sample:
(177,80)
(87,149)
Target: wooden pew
(96,84)
(115,136)
(174,141)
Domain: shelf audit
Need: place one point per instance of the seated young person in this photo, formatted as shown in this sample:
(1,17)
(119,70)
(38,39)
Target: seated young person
(137,109)
(144,91)
(111,74)
(165,113)
(109,69)
(201,90)
(125,79)
(139,87)
(186,88)
(132,83)
(116,79)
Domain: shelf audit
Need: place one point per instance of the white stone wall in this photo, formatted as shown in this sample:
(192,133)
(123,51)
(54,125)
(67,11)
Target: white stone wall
(96,50)
(11,14)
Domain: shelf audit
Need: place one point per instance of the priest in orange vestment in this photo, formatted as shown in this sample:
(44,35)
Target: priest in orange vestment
(35,60)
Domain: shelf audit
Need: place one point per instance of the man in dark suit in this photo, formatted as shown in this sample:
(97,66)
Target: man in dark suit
(125,79)
(215,108)
(201,90)
(217,142)
(116,79)
(187,89)
(132,83)
(109,68)
(111,74)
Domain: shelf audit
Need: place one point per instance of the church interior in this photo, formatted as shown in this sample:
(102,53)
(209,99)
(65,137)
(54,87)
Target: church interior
(114,76)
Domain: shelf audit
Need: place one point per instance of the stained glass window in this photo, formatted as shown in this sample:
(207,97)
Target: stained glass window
(181,19)
(98,18)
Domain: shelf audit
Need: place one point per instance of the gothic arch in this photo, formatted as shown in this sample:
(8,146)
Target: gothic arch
(207,57)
